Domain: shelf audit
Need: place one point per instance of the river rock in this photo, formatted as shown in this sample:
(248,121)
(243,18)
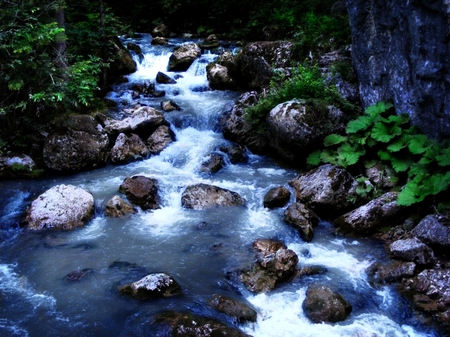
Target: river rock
(412,250)
(160,139)
(17,165)
(270,268)
(324,305)
(80,144)
(160,41)
(400,54)
(117,207)
(203,196)
(394,271)
(210,42)
(303,219)
(327,189)
(183,56)
(61,207)
(169,105)
(141,191)
(143,122)
(152,286)
(277,197)
(268,246)
(128,149)
(236,128)
(236,153)
(79,275)
(373,216)
(296,128)
(171,323)
(160,31)
(164,79)
(434,230)
(237,310)
(213,163)
(219,77)
(122,63)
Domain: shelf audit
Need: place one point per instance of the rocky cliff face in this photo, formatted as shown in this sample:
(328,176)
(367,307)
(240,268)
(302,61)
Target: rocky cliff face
(401,54)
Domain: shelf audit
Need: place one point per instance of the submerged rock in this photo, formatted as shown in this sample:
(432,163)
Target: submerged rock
(61,207)
(203,196)
(324,305)
(152,286)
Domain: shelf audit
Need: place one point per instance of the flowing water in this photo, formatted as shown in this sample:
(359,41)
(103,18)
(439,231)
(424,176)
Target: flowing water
(37,300)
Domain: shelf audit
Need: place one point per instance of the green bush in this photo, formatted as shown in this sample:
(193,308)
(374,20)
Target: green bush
(383,135)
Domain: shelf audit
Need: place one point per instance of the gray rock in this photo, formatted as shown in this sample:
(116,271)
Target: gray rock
(117,207)
(141,191)
(277,197)
(327,189)
(237,310)
(161,31)
(392,272)
(213,163)
(203,196)
(210,42)
(371,217)
(324,305)
(160,41)
(303,219)
(412,250)
(434,230)
(122,63)
(61,207)
(128,149)
(160,139)
(219,77)
(235,152)
(15,165)
(164,79)
(152,286)
(169,105)
(183,56)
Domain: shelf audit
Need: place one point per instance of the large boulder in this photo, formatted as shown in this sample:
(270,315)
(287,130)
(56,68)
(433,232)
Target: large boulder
(183,56)
(80,144)
(203,196)
(400,54)
(128,149)
(235,309)
(219,77)
(412,250)
(434,230)
(141,191)
(122,63)
(296,128)
(161,31)
(160,139)
(152,286)
(373,216)
(327,190)
(324,305)
(303,219)
(394,271)
(274,264)
(61,207)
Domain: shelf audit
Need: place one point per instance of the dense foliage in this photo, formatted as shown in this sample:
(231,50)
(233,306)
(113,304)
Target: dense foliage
(382,135)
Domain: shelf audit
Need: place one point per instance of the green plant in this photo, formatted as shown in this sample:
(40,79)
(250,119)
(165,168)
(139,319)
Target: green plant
(388,137)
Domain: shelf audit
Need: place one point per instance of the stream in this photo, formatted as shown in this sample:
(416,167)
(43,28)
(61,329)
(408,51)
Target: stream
(37,300)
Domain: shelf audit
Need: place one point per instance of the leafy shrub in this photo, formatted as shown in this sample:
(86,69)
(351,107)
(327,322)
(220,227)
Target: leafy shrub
(388,137)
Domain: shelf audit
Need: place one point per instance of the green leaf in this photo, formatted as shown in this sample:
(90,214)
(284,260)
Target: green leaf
(398,119)
(361,123)
(329,156)
(314,158)
(408,195)
(350,154)
(378,108)
(384,155)
(400,164)
(396,145)
(381,133)
(418,144)
(334,139)
(444,158)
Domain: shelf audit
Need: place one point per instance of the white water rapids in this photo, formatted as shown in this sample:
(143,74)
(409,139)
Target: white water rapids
(37,300)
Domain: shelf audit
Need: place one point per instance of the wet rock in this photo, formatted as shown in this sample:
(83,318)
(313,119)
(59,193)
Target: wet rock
(169,105)
(219,77)
(270,268)
(173,323)
(327,189)
(237,310)
(164,79)
(324,305)
(434,230)
(141,191)
(236,128)
(160,139)
(117,207)
(210,42)
(381,176)
(310,271)
(18,165)
(268,246)
(412,250)
(152,286)
(128,149)
(203,196)
(81,144)
(61,207)
(296,127)
(235,152)
(143,122)
(303,219)
(160,41)
(395,271)
(135,48)
(371,217)
(183,56)
(122,63)
(160,31)
(277,197)
(213,163)
(79,275)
